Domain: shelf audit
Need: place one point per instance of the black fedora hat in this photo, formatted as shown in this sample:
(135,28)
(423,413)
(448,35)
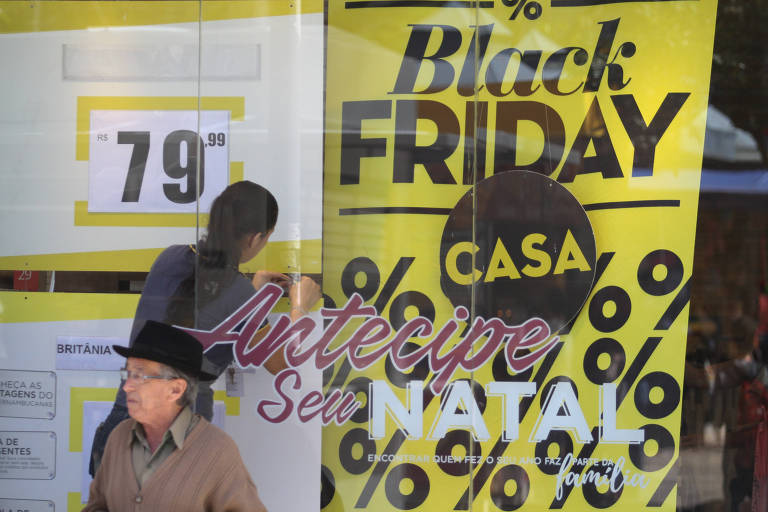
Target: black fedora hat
(168,345)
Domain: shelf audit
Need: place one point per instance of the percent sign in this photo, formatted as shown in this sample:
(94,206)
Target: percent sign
(673,277)
(531,9)
(357,462)
(366,268)
(350,460)
(370,271)
(368,290)
(606,324)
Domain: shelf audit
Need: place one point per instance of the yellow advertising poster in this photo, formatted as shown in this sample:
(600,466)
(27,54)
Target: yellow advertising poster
(510,197)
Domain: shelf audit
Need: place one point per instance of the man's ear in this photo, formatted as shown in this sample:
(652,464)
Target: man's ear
(177,389)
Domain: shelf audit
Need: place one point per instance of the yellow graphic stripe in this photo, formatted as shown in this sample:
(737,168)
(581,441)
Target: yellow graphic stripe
(77,399)
(170,220)
(236,172)
(134,260)
(41,16)
(231,403)
(291,257)
(235,104)
(74,503)
(57,307)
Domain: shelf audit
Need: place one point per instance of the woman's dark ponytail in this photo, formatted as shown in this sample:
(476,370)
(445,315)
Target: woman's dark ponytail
(244,208)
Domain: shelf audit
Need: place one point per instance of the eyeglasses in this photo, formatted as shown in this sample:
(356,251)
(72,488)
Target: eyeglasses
(126,374)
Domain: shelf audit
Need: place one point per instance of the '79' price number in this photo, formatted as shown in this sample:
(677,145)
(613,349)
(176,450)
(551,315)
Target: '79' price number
(157,161)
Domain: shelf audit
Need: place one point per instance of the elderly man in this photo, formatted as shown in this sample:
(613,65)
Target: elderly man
(165,458)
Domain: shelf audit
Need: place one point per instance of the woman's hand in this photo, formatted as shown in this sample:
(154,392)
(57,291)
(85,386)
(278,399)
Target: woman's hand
(263,277)
(303,294)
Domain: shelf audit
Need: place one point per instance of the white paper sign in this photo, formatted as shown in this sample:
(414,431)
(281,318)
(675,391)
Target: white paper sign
(146,161)
(28,455)
(93,414)
(27,394)
(88,353)
(11,505)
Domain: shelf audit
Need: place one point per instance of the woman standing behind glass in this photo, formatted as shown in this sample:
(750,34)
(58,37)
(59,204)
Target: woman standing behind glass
(201,286)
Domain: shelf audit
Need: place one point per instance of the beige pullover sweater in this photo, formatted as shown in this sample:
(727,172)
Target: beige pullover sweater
(207,474)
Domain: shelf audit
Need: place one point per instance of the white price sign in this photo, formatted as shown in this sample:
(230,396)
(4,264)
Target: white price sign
(146,161)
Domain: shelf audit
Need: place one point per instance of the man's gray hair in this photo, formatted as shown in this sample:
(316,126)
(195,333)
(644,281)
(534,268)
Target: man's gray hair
(190,394)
